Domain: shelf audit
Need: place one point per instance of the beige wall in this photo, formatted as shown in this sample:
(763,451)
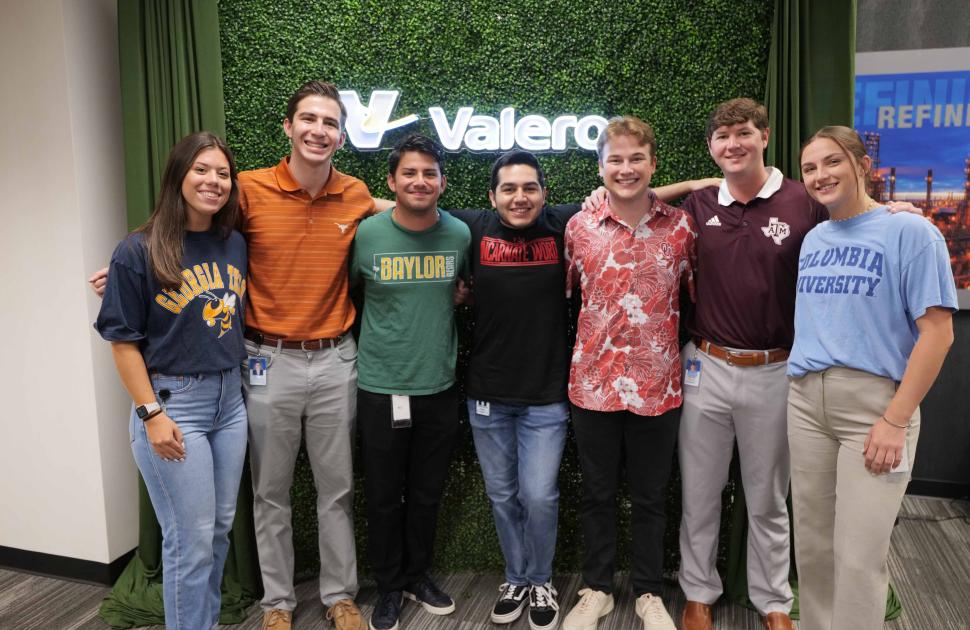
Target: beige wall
(67,481)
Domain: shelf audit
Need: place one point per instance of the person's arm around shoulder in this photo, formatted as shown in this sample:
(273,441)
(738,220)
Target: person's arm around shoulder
(352,267)
(465,268)
(98,281)
(884,444)
(380,205)
(242,219)
(573,276)
(903,206)
(690,258)
(674,191)
(664,193)
(462,293)
(468,216)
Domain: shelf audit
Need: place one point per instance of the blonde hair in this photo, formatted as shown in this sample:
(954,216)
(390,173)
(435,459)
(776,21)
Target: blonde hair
(627,126)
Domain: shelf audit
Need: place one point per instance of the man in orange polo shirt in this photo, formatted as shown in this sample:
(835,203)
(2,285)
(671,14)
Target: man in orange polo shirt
(300,218)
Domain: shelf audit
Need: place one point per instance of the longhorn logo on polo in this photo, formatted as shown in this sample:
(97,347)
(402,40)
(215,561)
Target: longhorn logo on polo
(366,125)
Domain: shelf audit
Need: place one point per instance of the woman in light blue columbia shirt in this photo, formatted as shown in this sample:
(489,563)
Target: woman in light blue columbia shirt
(873,311)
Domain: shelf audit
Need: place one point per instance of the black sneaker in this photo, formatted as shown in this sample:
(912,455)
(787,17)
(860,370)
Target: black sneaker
(432,598)
(510,603)
(543,607)
(386,611)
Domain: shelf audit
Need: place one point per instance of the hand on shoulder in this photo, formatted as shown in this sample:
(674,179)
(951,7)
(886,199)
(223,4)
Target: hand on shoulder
(903,206)
(99,281)
(595,199)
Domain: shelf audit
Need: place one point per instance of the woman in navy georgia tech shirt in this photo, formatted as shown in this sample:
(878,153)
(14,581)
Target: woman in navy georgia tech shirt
(173,310)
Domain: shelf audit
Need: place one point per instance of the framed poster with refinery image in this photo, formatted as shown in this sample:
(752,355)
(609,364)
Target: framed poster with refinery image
(912,109)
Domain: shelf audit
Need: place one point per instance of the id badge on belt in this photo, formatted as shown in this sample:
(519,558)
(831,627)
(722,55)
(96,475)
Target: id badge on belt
(257,371)
(692,374)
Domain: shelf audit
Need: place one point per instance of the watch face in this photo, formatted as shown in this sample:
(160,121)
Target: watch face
(144,411)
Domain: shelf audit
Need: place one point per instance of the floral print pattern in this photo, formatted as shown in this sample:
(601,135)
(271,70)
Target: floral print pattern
(626,355)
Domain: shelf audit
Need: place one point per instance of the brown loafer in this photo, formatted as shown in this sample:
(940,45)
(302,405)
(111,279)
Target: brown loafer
(697,616)
(778,621)
(345,615)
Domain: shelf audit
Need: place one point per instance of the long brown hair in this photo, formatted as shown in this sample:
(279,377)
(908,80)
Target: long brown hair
(165,229)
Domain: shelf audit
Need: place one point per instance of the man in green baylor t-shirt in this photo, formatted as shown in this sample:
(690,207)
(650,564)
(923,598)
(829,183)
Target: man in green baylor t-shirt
(408,259)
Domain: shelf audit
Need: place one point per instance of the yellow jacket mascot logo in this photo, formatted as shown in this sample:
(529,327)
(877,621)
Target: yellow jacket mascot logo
(219,311)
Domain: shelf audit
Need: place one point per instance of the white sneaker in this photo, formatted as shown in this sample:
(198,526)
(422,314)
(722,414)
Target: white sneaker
(586,613)
(651,609)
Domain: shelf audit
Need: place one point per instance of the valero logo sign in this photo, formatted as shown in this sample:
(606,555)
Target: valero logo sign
(366,125)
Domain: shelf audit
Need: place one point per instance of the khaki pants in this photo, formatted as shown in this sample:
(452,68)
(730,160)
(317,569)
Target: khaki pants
(746,404)
(844,515)
(311,395)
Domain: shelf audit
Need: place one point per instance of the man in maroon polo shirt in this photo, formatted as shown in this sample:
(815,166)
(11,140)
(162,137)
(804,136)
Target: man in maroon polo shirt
(742,326)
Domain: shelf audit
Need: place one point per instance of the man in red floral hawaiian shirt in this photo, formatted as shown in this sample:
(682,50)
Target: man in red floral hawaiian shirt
(629,258)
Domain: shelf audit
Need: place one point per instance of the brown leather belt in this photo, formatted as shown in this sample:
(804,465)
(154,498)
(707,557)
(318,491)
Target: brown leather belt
(741,358)
(307,345)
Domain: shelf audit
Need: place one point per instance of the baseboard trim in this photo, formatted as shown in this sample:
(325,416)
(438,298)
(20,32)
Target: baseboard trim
(941,489)
(63,567)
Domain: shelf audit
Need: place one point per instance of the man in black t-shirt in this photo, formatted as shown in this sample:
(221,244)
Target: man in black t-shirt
(517,376)
(519,367)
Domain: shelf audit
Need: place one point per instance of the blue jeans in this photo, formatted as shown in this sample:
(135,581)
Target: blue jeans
(519,448)
(195,499)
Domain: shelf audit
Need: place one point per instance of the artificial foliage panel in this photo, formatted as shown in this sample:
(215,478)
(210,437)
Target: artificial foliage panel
(667,61)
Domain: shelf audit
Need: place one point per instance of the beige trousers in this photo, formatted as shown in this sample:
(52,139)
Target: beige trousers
(844,515)
(746,404)
(310,396)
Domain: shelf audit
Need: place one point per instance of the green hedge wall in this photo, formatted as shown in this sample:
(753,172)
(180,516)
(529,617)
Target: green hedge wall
(668,61)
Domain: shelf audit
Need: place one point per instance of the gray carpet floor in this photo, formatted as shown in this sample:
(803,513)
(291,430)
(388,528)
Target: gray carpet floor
(929,564)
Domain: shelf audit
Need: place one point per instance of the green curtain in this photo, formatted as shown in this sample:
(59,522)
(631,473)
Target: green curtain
(171,85)
(811,74)
(811,77)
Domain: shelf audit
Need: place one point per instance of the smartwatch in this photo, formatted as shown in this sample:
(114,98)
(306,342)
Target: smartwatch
(148,410)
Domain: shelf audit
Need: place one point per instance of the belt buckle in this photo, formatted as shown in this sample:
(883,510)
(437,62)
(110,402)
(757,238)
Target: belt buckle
(752,356)
(764,355)
(304,348)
